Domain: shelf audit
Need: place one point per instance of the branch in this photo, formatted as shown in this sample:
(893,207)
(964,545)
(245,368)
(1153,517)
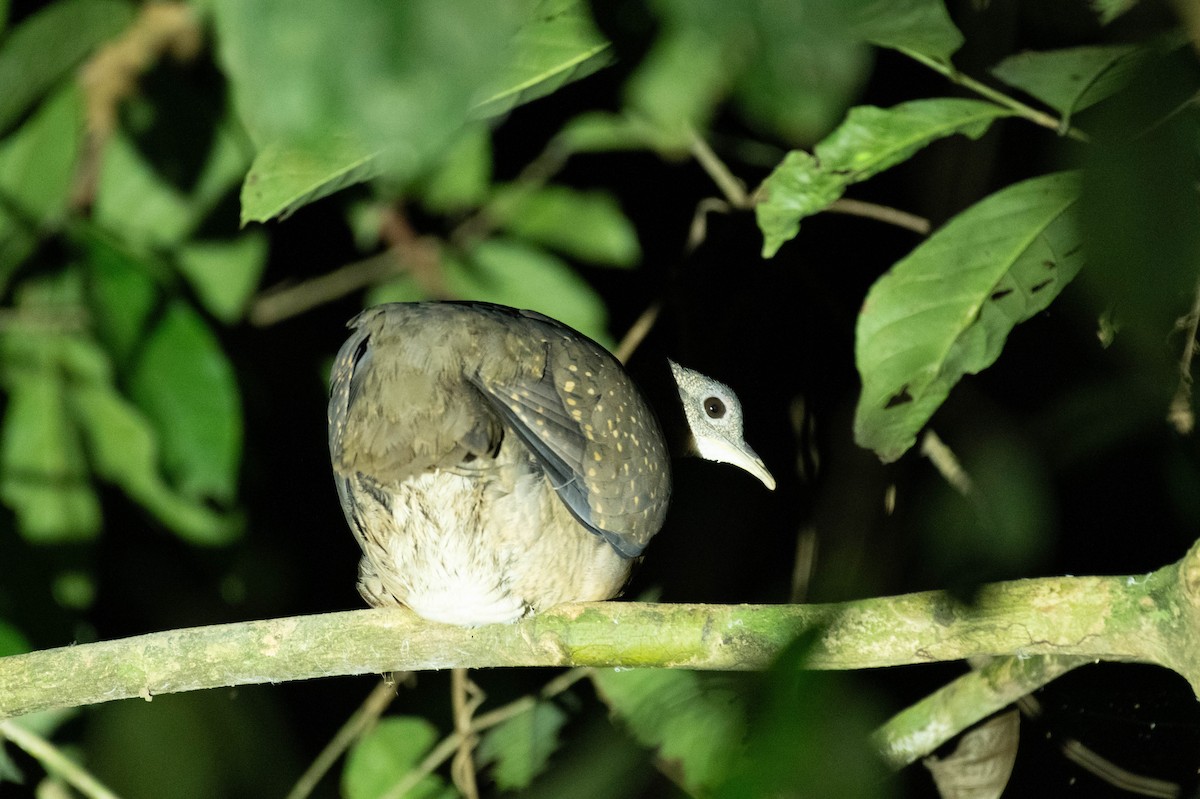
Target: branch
(1151,619)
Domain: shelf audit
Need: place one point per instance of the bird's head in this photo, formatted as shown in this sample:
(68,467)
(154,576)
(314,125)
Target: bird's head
(714,419)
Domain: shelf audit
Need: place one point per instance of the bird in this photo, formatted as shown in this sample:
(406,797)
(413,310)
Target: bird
(493,462)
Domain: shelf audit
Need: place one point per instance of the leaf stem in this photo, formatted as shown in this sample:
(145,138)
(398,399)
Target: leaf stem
(367,714)
(966,81)
(54,761)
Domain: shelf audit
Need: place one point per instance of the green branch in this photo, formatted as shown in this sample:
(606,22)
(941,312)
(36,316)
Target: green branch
(1153,619)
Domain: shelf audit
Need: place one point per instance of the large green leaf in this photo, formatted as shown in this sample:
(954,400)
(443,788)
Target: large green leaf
(520,748)
(792,67)
(37,167)
(557,44)
(586,225)
(397,80)
(808,70)
(695,722)
(1071,80)
(44,48)
(946,309)
(869,141)
(185,384)
(383,758)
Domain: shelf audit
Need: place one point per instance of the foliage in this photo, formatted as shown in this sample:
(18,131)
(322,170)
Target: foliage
(150,195)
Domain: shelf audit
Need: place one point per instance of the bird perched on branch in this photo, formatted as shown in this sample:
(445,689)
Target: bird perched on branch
(492,461)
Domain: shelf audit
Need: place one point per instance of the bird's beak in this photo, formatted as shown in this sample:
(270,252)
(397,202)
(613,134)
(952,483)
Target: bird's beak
(743,457)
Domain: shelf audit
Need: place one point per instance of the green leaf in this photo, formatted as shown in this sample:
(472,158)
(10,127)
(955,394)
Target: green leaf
(134,200)
(947,308)
(695,722)
(1071,80)
(37,167)
(46,46)
(556,45)
(869,141)
(923,26)
(123,450)
(603,131)
(462,179)
(395,79)
(1108,10)
(44,473)
(797,718)
(679,83)
(385,755)
(521,747)
(12,642)
(121,295)
(225,273)
(807,70)
(510,273)
(185,384)
(586,225)
(285,177)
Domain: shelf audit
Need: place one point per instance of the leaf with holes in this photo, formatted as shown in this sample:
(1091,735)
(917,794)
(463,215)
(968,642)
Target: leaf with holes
(946,310)
(869,141)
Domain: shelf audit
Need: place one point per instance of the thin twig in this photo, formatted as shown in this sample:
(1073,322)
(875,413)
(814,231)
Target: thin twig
(698,230)
(966,81)
(449,745)
(881,213)
(946,462)
(733,189)
(638,331)
(276,305)
(362,719)
(1180,413)
(465,699)
(54,761)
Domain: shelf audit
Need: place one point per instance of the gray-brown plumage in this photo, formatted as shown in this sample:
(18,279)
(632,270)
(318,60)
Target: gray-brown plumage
(492,461)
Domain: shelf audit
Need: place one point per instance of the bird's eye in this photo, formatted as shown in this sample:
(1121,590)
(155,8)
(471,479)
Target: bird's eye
(714,408)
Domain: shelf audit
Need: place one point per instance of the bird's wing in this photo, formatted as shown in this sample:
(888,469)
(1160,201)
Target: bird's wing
(579,413)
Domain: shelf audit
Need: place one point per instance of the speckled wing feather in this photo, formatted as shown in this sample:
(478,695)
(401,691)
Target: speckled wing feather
(582,416)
